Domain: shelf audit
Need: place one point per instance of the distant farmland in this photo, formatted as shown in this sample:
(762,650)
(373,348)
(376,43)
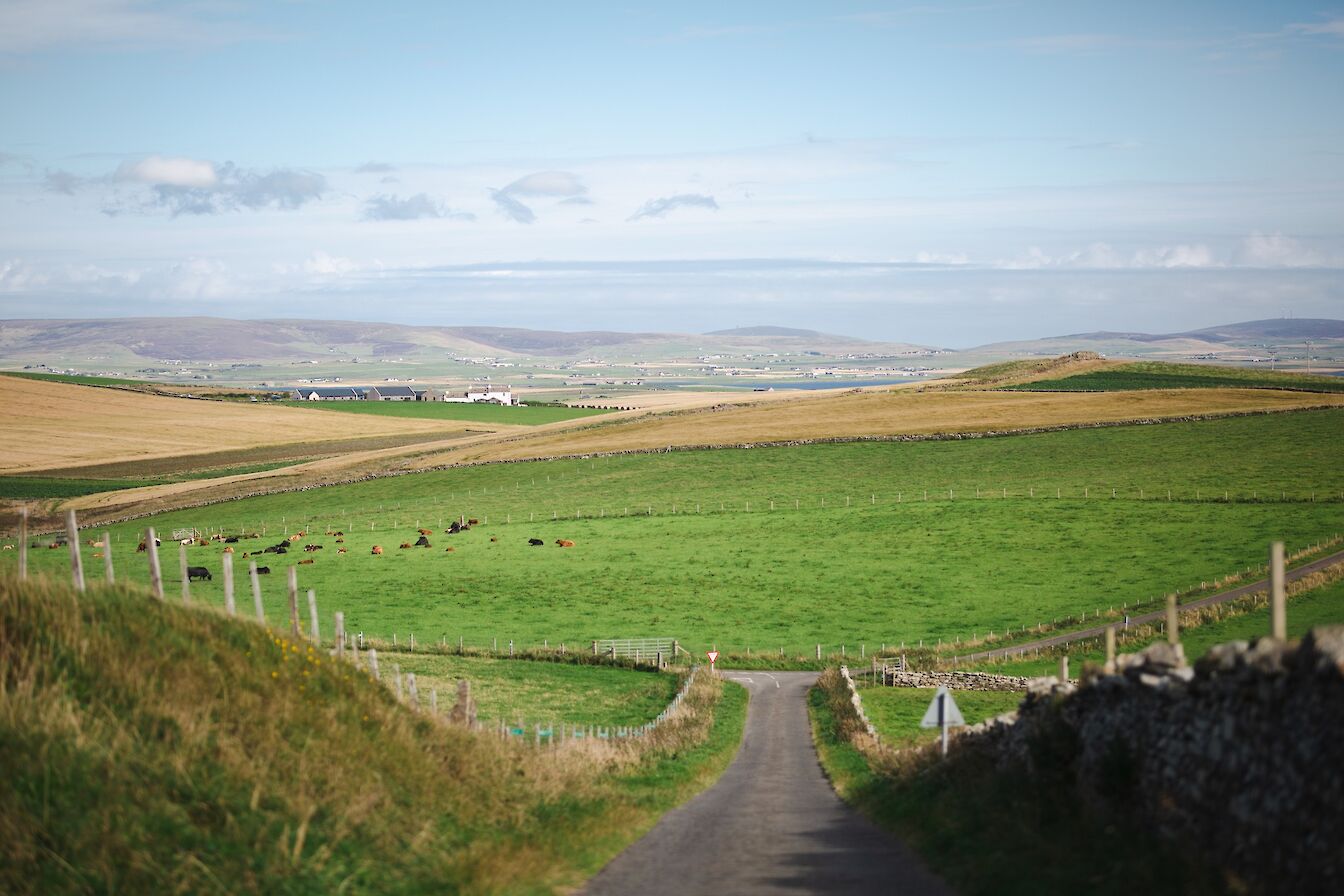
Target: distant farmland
(1157,375)
(480,412)
(1013,531)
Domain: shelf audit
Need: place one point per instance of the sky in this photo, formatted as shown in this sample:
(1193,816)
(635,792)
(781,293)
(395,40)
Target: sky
(940,173)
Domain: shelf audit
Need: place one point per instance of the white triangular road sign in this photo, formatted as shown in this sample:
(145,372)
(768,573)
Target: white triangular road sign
(931,719)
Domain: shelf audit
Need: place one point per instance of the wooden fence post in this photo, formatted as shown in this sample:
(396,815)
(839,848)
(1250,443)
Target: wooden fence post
(818,651)
(1063,669)
(412,691)
(312,616)
(72,538)
(1109,668)
(1173,621)
(294,603)
(340,634)
(373,664)
(23,543)
(186,579)
(1278,612)
(256,591)
(230,606)
(107,558)
(155,572)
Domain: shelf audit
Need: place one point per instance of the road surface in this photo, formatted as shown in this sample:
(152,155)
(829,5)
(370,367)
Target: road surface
(771,825)
(1097,631)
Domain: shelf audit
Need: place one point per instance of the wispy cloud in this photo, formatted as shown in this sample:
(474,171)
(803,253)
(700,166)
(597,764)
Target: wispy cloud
(421,205)
(657,208)
(374,168)
(540,184)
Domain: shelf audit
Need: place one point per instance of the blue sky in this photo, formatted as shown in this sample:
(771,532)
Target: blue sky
(948,173)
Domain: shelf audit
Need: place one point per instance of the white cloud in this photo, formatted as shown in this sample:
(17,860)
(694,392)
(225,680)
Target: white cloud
(1103,256)
(657,208)
(1274,250)
(547,183)
(173,171)
(329,265)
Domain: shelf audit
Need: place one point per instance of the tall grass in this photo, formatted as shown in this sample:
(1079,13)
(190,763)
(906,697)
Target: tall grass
(152,748)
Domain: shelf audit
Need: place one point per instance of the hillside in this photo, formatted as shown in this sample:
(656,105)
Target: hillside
(1120,377)
(152,748)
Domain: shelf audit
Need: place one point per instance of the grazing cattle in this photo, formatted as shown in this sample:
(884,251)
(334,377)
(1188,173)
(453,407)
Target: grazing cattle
(282,550)
(140,548)
(232,539)
(263,570)
(202,543)
(473,522)
(455,528)
(494,538)
(425,531)
(312,547)
(297,536)
(447,550)
(340,550)
(340,541)
(186,542)
(246,555)
(535,542)
(271,550)
(230,551)
(306,561)
(564,543)
(405,544)
(197,572)
(422,542)
(56,544)
(377,550)
(97,555)
(9,547)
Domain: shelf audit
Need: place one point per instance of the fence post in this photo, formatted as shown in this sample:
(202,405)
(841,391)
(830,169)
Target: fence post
(1173,621)
(373,664)
(340,634)
(1109,668)
(294,603)
(1278,613)
(107,558)
(818,651)
(312,616)
(182,567)
(1063,669)
(414,693)
(23,543)
(256,591)
(72,538)
(229,606)
(155,572)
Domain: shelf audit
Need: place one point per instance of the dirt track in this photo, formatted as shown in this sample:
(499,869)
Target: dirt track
(771,825)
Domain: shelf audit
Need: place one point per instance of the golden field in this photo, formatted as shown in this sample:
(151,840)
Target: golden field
(56,425)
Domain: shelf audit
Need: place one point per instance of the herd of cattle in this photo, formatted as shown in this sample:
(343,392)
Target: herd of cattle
(292,542)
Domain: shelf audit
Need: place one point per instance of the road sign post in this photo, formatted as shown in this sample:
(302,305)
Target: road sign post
(941,714)
(713,658)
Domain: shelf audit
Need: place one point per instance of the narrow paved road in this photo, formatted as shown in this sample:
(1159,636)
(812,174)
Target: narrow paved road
(1159,615)
(771,825)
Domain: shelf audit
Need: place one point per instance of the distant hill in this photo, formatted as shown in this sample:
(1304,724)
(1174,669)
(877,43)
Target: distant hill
(133,342)
(772,331)
(1254,337)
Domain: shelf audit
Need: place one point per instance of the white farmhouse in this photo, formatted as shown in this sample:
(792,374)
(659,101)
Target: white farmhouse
(487,394)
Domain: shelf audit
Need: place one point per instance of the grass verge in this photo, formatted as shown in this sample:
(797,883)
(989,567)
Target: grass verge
(988,831)
(153,748)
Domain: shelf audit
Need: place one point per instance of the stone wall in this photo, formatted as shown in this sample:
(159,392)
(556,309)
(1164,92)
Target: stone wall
(955,681)
(1240,757)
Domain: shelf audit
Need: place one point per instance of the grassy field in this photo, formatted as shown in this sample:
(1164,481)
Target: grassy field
(73,380)
(1321,605)
(531,415)
(1160,375)
(888,566)
(533,691)
(896,712)
(151,748)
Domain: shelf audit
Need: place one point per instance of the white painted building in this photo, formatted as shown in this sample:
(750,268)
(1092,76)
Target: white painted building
(482,395)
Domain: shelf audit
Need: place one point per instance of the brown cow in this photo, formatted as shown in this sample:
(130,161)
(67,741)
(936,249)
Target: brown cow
(378,550)
(297,536)
(473,522)
(494,538)
(141,548)
(305,561)
(230,551)
(448,550)
(340,541)
(425,531)
(564,543)
(405,544)
(340,550)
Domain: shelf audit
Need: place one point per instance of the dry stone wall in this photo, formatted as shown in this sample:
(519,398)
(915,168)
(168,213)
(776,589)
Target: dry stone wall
(1240,757)
(955,681)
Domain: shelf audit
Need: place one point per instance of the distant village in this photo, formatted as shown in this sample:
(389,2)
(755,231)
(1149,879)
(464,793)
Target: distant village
(486,394)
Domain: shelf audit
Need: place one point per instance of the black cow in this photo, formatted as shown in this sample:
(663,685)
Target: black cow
(232,539)
(423,542)
(263,570)
(535,542)
(197,572)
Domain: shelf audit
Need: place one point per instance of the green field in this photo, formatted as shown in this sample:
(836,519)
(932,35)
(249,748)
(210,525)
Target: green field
(1320,606)
(888,567)
(61,487)
(1161,375)
(531,415)
(896,712)
(74,380)
(537,691)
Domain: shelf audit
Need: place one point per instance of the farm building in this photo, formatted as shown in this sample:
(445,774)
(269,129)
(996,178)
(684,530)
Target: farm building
(327,393)
(483,395)
(402,393)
